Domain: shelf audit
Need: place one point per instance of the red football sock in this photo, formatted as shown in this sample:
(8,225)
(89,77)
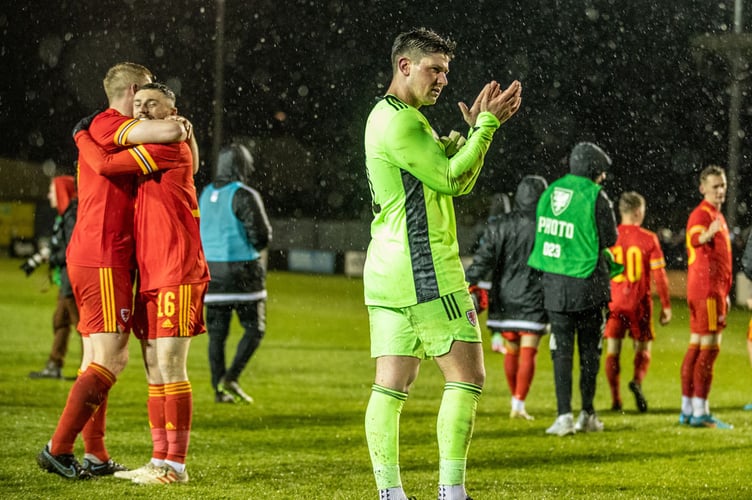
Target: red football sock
(641,364)
(178,414)
(613,369)
(525,372)
(703,375)
(511,365)
(89,391)
(156,408)
(688,370)
(93,433)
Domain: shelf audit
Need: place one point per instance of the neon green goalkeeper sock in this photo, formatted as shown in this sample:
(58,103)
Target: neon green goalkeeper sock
(382,434)
(454,429)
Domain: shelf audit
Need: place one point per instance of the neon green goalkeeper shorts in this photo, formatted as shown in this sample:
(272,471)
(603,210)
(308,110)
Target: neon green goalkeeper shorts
(423,330)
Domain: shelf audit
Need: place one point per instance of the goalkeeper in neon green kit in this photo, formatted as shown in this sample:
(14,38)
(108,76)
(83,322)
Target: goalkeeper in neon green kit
(418,303)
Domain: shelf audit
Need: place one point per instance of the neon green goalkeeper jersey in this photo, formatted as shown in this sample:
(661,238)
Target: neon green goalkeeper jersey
(413,256)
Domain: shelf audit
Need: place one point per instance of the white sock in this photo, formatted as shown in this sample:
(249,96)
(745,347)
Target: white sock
(179,468)
(517,405)
(699,407)
(686,405)
(156,462)
(453,492)
(393,493)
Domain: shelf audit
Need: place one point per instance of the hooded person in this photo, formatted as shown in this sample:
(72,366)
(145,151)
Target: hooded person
(234,232)
(515,305)
(575,225)
(589,160)
(62,197)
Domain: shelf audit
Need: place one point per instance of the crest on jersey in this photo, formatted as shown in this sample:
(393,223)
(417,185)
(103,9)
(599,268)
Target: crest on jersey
(560,199)
(472,317)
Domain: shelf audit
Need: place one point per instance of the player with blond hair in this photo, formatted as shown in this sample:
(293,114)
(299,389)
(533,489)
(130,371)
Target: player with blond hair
(173,276)
(100,261)
(631,306)
(709,274)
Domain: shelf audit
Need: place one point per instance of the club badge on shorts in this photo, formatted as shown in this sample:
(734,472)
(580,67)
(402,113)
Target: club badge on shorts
(472,317)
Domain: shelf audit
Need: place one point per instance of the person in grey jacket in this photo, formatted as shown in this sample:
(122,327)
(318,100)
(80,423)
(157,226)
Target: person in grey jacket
(515,304)
(235,230)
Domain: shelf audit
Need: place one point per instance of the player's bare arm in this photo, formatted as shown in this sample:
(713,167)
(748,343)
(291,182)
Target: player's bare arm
(194,152)
(191,139)
(184,122)
(158,132)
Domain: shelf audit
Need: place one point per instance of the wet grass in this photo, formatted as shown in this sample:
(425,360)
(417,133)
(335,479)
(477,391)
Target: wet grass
(303,438)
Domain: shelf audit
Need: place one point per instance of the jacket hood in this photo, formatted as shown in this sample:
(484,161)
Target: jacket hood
(529,190)
(588,160)
(65,191)
(235,163)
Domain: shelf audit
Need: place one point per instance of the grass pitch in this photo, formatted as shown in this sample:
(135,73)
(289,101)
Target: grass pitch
(311,377)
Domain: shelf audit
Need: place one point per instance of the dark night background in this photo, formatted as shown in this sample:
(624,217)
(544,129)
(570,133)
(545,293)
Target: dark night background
(301,77)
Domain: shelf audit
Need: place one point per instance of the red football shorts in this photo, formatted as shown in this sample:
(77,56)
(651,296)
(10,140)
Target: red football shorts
(707,316)
(172,311)
(639,323)
(104,297)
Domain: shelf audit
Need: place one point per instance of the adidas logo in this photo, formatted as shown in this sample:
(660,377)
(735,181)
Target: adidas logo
(167,324)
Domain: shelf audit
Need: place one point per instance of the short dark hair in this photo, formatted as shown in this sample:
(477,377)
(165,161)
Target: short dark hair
(421,41)
(167,91)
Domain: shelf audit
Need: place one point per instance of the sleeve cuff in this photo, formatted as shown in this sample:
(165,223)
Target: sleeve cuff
(487,119)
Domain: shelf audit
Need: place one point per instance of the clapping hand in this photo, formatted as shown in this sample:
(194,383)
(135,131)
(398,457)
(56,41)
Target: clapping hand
(503,104)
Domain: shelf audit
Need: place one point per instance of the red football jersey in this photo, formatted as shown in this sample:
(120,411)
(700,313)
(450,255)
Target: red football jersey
(168,243)
(640,252)
(103,234)
(166,231)
(709,265)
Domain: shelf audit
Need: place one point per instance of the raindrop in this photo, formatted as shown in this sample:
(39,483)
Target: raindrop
(49,50)
(49,167)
